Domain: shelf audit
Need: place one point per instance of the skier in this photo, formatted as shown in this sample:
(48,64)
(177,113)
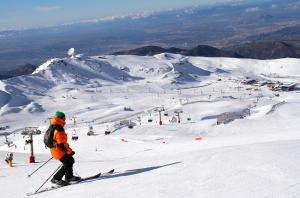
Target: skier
(9,158)
(62,151)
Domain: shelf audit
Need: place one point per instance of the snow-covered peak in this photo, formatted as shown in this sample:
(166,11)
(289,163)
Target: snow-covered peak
(45,65)
(80,71)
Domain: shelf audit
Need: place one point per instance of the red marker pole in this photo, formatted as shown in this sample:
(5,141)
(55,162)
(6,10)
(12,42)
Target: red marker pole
(31,158)
(160,122)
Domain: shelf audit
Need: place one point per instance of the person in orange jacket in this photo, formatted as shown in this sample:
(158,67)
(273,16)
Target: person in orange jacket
(62,151)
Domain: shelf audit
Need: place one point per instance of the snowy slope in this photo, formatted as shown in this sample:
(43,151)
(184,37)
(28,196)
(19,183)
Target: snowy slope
(253,154)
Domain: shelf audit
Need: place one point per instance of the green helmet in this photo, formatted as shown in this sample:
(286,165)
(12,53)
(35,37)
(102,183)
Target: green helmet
(61,115)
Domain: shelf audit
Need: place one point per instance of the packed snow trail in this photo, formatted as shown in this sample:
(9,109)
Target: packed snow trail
(256,156)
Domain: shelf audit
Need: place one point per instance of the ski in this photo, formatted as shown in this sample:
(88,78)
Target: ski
(94,176)
(98,175)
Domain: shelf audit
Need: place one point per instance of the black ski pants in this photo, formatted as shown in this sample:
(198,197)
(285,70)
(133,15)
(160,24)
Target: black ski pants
(66,169)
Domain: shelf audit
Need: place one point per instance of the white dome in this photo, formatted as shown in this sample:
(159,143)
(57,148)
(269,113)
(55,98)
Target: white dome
(71,52)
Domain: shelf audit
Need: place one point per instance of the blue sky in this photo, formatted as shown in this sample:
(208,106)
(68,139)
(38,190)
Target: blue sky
(16,14)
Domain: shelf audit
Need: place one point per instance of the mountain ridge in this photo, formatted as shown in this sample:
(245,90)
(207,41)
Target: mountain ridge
(200,50)
(261,50)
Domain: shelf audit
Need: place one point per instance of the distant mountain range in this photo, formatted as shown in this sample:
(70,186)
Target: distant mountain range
(269,49)
(208,51)
(150,51)
(254,50)
(200,50)
(24,70)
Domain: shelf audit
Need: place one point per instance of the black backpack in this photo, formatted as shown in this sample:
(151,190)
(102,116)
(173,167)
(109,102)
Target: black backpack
(48,137)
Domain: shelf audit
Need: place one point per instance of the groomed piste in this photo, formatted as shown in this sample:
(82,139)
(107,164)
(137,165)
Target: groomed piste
(228,128)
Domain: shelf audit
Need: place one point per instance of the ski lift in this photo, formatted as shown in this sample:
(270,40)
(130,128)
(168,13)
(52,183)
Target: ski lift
(131,125)
(91,132)
(28,142)
(74,137)
(107,130)
(149,118)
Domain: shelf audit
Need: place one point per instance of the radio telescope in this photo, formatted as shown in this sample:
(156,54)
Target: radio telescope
(71,53)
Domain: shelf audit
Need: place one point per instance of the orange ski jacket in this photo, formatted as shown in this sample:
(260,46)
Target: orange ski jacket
(60,139)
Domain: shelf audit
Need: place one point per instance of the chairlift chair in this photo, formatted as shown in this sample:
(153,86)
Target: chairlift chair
(28,141)
(75,137)
(90,133)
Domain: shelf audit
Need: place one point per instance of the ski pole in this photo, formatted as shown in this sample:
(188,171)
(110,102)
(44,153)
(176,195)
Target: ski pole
(48,178)
(39,167)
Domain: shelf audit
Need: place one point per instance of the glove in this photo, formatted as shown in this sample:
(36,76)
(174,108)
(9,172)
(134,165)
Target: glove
(73,153)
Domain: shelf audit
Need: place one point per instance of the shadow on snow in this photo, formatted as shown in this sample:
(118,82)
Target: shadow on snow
(132,172)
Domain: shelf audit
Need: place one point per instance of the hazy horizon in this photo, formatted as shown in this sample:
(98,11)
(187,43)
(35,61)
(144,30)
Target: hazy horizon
(34,14)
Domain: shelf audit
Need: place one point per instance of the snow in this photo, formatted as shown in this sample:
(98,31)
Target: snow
(256,154)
